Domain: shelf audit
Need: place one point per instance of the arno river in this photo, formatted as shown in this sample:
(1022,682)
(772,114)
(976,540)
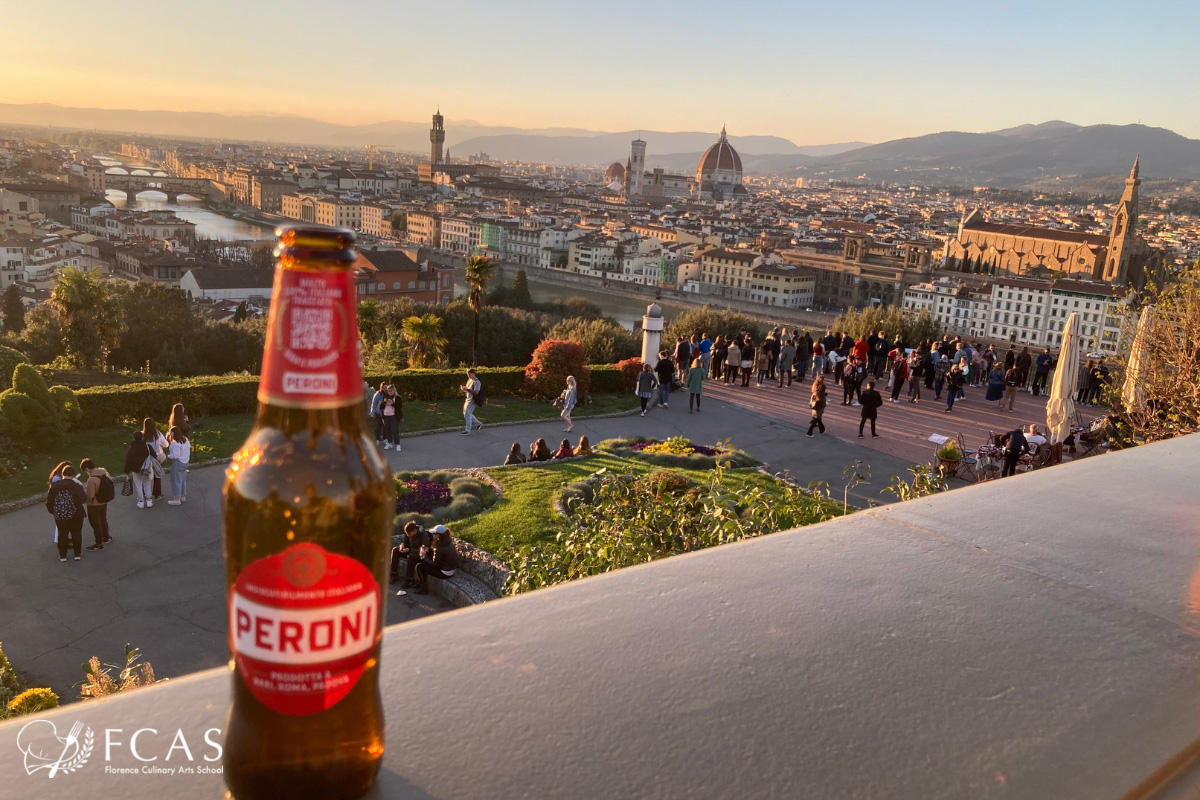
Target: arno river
(208,223)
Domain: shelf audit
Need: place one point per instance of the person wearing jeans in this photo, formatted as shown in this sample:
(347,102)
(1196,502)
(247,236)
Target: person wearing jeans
(97,510)
(470,390)
(665,369)
(954,382)
(443,563)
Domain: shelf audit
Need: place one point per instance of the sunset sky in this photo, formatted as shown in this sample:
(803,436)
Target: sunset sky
(810,72)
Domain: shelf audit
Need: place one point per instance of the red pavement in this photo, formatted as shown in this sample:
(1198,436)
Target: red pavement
(903,428)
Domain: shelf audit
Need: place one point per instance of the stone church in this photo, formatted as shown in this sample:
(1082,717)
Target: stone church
(1121,258)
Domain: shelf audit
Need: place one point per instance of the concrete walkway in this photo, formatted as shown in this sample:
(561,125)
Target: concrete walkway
(160,585)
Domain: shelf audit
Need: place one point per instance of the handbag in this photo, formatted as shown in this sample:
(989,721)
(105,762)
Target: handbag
(127,487)
(152,467)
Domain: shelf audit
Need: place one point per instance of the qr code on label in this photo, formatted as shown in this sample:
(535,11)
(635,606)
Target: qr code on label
(312,328)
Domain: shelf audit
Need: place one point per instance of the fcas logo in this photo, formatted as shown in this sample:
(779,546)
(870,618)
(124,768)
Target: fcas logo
(45,750)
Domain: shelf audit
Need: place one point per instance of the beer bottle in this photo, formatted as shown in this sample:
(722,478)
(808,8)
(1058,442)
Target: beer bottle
(308,505)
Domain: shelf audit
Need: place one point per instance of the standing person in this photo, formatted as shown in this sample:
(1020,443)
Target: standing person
(869,350)
(1098,382)
(1041,372)
(818,357)
(569,397)
(747,361)
(443,563)
(377,415)
(66,501)
(852,381)
(410,550)
(787,357)
(733,362)
(962,360)
(716,357)
(829,344)
(695,384)
(817,403)
(871,401)
(1015,446)
(954,382)
(706,346)
(179,419)
(899,375)
(396,421)
(930,358)
(1084,379)
(1012,383)
(99,491)
(646,384)
(864,352)
(471,390)
(916,376)
(762,361)
(804,345)
(665,369)
(995,386)
(774,344)
(1025,365)
(137,455)
(683,357)
(941,368)
(881,349)
(1010,357)
(180,453)
(387,412)
(154,439)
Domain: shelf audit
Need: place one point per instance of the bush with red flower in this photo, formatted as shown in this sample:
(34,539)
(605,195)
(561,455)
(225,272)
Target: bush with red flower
(553,360)
(629,368)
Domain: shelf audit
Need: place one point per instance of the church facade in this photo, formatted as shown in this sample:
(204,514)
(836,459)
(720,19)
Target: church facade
(1121,258)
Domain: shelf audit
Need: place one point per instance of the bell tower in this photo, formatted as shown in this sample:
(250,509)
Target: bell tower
(437,137)
(1124,231)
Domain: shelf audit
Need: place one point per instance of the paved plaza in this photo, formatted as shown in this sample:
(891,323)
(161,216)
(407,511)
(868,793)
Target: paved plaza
(160,585)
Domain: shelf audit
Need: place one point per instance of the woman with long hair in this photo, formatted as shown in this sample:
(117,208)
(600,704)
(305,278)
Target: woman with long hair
(515,456)
(647,382)
(154,439)
(569,397)
(180,453)
(584,448)
(817,404)
(564,450)
(179,419)
(56,473)
(540,451)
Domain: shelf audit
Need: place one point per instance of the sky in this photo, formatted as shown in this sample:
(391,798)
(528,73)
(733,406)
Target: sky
(812,72)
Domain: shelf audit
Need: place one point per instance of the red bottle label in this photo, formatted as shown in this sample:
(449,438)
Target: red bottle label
(302,626)
(311,359)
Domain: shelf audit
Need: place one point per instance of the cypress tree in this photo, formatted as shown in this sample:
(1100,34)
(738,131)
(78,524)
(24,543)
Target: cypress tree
(14,311)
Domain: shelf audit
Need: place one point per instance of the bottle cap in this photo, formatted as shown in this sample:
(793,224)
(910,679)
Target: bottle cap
(315,242)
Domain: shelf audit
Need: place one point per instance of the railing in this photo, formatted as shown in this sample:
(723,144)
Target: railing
(1033,637)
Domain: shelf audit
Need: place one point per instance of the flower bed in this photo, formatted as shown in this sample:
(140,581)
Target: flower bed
(677,452)
(430,498)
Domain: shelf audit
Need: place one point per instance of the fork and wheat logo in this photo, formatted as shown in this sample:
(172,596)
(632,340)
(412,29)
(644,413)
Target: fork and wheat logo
(44,749)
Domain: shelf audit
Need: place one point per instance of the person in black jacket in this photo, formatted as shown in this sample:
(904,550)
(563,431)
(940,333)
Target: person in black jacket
(411,550)
(443,563)
(1015,446)
(67,501)
(665,369)
(135,456)
(871,401)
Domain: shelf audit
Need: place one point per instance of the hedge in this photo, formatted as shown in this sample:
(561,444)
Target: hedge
(109,406)
(606,379)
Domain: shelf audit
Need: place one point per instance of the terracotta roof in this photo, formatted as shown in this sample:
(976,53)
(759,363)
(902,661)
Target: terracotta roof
(1037,232)
(719,156)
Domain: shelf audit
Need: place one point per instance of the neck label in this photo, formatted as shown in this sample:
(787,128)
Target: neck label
(311,358)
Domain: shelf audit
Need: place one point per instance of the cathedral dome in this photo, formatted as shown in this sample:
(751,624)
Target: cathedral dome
(720,156)
(615,172)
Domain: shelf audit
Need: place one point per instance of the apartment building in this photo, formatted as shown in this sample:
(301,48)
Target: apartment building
(727,273)
(384,275)
(460,235)
(425,228)
(783,285)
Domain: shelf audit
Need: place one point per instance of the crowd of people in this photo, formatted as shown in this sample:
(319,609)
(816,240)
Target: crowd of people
(540,451)
(77,494)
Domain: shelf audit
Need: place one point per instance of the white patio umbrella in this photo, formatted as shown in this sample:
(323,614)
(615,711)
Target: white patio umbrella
(1132,393)
(1060,408)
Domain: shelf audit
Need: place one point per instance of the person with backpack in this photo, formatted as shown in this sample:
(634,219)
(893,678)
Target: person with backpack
(180,453)
(137,457)
(65,501)
(473,392)
(99,492)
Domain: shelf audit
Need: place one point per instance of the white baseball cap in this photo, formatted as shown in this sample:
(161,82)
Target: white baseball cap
(439,529)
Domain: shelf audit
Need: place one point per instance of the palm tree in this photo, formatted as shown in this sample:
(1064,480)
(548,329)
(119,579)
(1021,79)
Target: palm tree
(369,320)
(479,273)
(426,345)
(90,314)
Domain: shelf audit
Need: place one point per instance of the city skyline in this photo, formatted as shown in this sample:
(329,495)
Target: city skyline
(811,74)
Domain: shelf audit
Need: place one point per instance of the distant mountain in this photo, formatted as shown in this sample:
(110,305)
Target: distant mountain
(1018,156)
(663,149)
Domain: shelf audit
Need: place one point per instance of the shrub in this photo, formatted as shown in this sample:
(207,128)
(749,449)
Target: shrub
(442,496)
(628,374)
(606,379)
(32,701)
(9,359)
(68,404)
(603,340)
(29,414)
(553,360)
(715,322)
(99,680)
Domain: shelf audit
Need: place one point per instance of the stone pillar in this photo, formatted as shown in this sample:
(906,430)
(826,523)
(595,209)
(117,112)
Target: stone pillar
(652,328)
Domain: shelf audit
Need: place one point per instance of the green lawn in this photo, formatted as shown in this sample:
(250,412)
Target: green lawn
(526,511)
(220,436)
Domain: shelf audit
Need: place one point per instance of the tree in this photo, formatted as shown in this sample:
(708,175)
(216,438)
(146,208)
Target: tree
(426,345)
(42,339)
(604,341)
(479,272)
(239,313)
(90,315)
(154,316)
(518,295)
(553,360)
(370,320)
(14,310)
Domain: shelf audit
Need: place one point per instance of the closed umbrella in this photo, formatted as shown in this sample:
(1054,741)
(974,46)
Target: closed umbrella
(1132,393)
(1060,408)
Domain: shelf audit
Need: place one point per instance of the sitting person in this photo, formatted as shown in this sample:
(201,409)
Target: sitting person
(540,451)
(443,562)
(564,450)
(1035,439)
(410,550)
(584,448)
(515,456)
